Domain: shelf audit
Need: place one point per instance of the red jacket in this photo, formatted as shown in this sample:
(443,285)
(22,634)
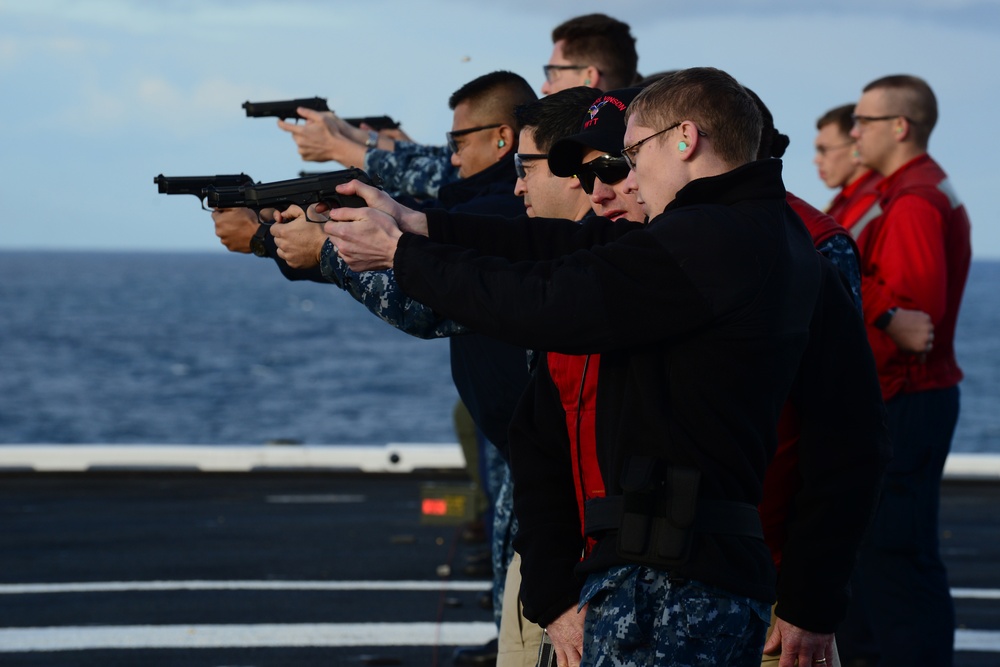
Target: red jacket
(856,203)
(916,255)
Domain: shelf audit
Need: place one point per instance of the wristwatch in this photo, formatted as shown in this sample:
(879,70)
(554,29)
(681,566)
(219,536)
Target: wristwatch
(882,321)
(257,244)
(372,141)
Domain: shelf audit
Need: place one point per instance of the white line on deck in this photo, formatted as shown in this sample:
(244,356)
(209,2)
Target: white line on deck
(271,585)
(22,640)
(977,640)
(18,640)
(302,499)
(976,593)
(129,586)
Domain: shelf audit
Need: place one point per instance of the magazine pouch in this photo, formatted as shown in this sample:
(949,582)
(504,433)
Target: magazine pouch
(659,507)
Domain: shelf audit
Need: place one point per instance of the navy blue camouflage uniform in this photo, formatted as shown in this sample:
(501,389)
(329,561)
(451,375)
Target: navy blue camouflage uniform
(411,169)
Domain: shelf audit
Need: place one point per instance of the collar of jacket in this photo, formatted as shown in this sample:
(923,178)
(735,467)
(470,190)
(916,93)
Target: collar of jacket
(886,186)
(755,180)
(497,178)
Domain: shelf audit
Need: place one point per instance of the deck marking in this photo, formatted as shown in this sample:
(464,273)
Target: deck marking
(24,640)
(316,499)
(976,593)
(129,586)
(21,640)
(276,585)
(977,640)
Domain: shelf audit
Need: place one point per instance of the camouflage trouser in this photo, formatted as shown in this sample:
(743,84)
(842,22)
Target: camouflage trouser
(504,529)
(639,616)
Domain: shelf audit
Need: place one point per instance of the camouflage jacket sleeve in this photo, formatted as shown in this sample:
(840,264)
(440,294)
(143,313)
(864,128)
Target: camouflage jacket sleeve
(379,292)
(412,169)
(839,250)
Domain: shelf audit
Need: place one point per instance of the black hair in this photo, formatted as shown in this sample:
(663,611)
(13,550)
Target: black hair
(492,97)
(557,115)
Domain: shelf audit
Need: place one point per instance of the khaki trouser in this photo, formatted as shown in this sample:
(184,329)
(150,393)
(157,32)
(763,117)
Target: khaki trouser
(519,637)
(771,660)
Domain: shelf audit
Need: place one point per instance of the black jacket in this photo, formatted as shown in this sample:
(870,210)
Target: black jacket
(701,319)
(489,375)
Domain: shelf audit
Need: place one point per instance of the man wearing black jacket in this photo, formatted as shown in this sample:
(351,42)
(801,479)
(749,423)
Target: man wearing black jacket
(706,321)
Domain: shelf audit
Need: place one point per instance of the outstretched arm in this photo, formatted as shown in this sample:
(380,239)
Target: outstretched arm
(323,137)
(367,237)
(303,242)
(235,227)
(299,240)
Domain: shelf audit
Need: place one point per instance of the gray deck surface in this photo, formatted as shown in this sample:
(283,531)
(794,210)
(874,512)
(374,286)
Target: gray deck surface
(308,527)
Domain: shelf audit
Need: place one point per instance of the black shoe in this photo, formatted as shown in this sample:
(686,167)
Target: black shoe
(476,656)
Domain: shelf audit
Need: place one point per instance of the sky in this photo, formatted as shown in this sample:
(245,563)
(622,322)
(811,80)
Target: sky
(97,97)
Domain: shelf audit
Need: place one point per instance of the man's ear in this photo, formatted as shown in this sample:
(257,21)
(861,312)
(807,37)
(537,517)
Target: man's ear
(687,144)
(506,141)
(592,77)
(901,131)
(573,183)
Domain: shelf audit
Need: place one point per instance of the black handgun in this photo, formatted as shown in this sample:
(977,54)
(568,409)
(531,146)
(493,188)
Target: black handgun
(265,198)
(377,123)
(284,108)
(196,185)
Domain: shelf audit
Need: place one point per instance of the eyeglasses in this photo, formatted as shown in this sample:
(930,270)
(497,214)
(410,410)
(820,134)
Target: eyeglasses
(608,169)
(864,120)
(551,71)
(520,158)
(453,145)
(629,152)
(822,151)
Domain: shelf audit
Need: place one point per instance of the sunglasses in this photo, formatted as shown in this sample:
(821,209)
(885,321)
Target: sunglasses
(521,158)
(453,145)
(608,169)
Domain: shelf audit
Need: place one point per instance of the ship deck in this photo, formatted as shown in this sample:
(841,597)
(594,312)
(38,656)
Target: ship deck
(302,567)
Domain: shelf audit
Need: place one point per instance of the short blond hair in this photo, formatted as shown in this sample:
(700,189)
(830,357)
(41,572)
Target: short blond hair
(916,102)
(710,98)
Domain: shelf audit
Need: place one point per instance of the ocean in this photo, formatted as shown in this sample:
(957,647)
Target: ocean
(217,348)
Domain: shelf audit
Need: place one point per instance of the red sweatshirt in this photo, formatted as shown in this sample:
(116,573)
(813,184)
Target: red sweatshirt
(916,255)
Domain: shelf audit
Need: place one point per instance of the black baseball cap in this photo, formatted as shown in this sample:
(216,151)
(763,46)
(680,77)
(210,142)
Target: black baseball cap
(603,130)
